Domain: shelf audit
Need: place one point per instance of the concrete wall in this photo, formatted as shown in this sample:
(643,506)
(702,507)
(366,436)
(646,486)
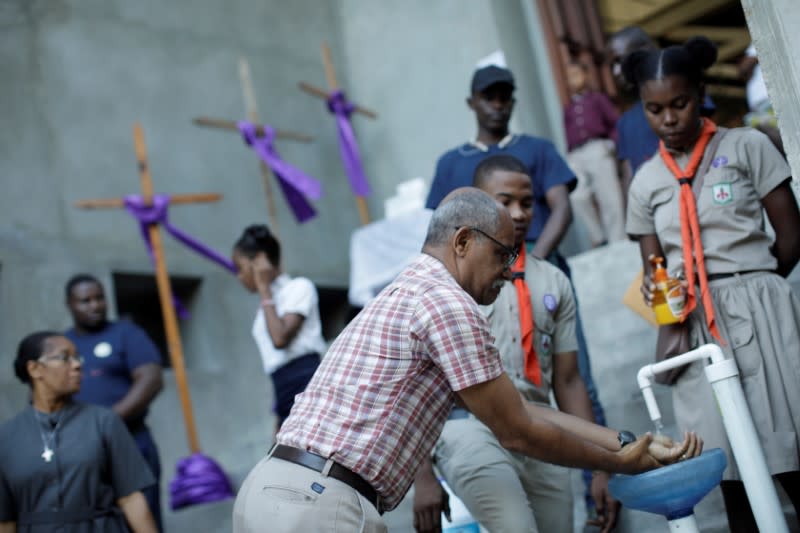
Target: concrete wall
(773,26)
(76,75)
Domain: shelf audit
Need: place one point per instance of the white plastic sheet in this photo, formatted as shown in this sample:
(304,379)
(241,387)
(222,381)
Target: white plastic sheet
(379,251)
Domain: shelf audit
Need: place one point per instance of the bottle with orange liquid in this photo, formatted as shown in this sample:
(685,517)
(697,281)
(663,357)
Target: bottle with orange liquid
(668,298)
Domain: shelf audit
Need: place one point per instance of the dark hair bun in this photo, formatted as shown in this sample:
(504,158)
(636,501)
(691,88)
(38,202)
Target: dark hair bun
(632,63)
(21,370)
(259,232)
(257,238)
(702,51)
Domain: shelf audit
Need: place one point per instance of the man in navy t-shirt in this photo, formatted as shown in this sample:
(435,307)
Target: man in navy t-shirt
(492,102)
(121,369)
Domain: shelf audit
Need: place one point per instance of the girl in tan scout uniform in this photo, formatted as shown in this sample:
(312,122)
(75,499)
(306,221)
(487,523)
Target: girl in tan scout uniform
(737,296)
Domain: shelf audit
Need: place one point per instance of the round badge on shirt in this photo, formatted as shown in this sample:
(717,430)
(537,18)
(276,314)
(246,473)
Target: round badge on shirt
(102,350)
(550,302)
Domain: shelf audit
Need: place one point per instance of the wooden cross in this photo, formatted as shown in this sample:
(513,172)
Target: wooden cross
(252,115)
(162,278)
(333,85)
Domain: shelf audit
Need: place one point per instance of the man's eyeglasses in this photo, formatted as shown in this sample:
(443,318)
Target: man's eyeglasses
(63,358)
(509,256)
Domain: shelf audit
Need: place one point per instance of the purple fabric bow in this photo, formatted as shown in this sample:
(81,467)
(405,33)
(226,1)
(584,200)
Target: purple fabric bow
(348,146)
(198,479)
(295,184)
(157,214)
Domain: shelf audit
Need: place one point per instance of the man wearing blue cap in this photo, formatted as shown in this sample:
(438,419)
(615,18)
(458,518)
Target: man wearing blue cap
(492,101)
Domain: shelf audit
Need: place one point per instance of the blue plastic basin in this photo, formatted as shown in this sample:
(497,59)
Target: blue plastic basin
(673,490)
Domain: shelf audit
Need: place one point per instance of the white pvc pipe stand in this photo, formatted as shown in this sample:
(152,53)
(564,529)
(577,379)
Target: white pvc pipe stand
(724,378)
(687,524)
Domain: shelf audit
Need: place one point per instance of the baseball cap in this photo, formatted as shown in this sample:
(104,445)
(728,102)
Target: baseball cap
(484,77)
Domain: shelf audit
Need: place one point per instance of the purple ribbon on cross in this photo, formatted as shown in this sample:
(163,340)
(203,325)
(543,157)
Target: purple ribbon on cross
(157,213)
(340,106)
(295,184)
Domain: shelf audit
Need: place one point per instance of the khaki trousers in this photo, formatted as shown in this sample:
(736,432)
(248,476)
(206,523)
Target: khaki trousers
(504,491)
(282,497)
(595,166)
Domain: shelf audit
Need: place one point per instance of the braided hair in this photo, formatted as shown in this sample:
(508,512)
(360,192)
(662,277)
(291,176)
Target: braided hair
(689,60)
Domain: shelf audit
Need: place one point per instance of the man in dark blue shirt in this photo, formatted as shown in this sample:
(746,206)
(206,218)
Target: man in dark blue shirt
(492,102)
(121,369)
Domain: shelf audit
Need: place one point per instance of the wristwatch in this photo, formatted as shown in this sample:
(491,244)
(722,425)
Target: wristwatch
(625,437)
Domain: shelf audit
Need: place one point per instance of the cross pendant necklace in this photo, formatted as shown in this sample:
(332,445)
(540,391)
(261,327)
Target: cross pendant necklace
(47,454)
(47,451)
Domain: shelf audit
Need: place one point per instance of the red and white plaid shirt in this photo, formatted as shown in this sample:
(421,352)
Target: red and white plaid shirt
(383,392)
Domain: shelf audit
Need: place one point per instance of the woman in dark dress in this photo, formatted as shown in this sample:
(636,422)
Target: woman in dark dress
(67,466)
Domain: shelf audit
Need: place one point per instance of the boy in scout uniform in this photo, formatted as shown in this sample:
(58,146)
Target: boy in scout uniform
(533,322)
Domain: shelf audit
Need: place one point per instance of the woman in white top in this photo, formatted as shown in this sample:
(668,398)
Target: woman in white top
(287,328)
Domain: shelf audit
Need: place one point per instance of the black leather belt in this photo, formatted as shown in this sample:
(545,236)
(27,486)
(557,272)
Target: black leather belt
(723,275)
(317,463)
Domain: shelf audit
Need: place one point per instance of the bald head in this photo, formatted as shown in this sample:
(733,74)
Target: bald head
(466,206)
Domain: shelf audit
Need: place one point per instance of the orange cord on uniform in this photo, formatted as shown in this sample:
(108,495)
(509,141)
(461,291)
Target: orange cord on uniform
(690,227)
(526,321)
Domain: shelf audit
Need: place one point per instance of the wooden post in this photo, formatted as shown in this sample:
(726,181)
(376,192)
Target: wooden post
(333,85)
(165,295)
(251,109)
(174,347)
(330,73)
(224,124)
(252,115)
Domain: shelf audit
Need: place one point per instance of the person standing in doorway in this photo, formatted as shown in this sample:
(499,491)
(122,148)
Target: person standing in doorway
(121,369)
(590,120)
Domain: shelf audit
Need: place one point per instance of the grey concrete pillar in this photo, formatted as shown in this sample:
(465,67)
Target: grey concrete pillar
(773,25)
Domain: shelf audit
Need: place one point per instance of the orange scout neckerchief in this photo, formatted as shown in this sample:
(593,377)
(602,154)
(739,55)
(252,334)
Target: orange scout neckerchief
(526,324)
(690,227)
